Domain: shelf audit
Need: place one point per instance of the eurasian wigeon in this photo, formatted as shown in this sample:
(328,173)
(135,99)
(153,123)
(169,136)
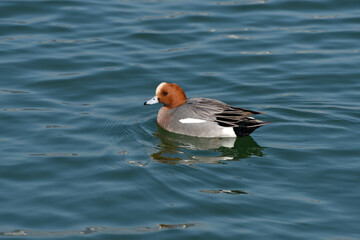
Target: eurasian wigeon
(201,117)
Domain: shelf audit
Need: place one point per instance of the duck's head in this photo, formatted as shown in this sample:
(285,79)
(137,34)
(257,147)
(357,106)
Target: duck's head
(169,94)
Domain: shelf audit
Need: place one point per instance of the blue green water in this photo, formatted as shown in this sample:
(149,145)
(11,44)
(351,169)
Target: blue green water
(82,157)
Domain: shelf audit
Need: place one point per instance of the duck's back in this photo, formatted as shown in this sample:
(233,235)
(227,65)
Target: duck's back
(205,117)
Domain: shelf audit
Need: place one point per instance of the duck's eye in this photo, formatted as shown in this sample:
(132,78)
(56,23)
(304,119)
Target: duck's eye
(165,93)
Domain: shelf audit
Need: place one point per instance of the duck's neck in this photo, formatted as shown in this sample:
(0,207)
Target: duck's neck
(177,102)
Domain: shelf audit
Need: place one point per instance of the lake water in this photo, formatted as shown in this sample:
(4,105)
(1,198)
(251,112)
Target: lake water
(82,157)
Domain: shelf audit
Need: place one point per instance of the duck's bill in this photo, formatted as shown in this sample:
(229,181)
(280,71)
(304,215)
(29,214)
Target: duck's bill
(152,101)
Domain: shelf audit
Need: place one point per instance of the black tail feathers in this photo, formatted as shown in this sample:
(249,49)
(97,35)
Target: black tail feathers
(247,126)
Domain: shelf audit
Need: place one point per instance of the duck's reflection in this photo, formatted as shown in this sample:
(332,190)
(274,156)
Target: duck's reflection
(180,149)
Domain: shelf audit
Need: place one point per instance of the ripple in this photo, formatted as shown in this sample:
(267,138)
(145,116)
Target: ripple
(175,226)
(231,192)
(257,53)
(174,15)
(54,154)
(324,17)
(69,41)
(176,49)
(27,109)
(137,163)
(76,104)
(56,126)
(95,230)
(329,51)
(69,74)
(14,91)
(242,2)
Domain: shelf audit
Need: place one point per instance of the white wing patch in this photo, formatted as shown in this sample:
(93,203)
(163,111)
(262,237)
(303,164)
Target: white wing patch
(191,120)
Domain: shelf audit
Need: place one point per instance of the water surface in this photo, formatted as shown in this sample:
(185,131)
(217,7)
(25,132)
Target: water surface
(82,157)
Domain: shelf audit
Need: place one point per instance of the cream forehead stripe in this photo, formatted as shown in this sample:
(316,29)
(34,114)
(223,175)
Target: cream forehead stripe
(158,89)
(191,120)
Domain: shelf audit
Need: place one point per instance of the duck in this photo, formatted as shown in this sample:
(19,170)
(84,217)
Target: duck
(201,117)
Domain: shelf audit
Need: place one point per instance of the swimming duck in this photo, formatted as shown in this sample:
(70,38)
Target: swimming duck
(201,117)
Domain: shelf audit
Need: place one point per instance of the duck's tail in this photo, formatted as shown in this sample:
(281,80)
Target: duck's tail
(247,126)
